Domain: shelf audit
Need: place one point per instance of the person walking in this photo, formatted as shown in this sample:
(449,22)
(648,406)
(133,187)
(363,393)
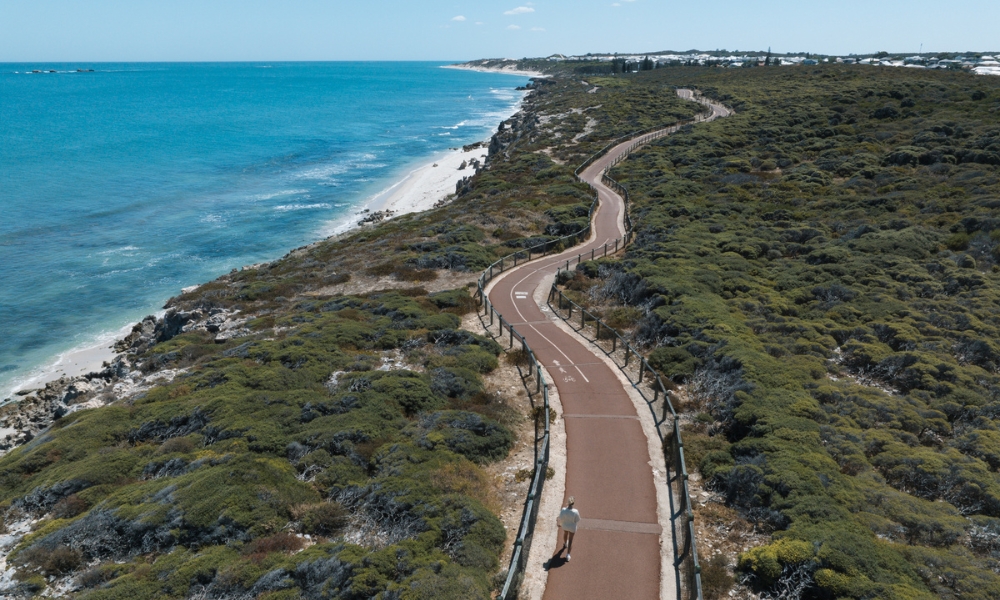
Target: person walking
(568,519)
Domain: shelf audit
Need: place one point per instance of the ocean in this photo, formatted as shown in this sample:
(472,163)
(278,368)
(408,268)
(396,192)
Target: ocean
(121,185)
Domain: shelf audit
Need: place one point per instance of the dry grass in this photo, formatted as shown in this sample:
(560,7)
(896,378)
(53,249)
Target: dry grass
(466,478)
(286,543)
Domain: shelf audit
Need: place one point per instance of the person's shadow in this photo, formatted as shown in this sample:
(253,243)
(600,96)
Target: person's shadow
(556,561)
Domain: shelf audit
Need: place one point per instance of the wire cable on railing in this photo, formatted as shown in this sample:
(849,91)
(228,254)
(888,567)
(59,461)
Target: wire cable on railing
(522,543)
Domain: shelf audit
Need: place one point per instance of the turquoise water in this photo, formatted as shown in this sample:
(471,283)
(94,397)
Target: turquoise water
(120,186)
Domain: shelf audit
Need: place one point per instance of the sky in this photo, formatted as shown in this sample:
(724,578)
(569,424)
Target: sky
(273,30)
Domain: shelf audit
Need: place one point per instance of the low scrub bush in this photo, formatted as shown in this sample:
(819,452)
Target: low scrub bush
(327,519)
(829,321)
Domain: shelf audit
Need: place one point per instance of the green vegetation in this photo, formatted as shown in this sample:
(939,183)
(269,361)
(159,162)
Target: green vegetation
(195,487)
(821,272)
(198,486)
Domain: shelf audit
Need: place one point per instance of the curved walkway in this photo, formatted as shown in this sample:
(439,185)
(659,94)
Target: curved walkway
(617,552)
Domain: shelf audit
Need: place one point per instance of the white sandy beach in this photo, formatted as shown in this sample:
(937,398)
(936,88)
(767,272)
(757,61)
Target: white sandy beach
(506,70)
(423,187)
(418,191)
(72,363)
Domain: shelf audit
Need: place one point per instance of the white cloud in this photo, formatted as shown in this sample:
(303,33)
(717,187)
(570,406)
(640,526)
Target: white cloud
(538,29)
(513,27)
(458,18)
(479,22)
(520,10)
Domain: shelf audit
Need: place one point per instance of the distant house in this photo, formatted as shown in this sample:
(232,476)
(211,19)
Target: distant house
(809,61)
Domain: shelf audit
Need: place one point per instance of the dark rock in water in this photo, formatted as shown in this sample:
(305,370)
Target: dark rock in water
(6,368)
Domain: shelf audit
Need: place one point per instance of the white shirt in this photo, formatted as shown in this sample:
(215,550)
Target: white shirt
(568,518)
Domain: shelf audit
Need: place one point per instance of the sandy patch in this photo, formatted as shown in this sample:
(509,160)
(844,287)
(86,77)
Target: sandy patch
(365,284)
(508,69)
(425,186)
(72,363)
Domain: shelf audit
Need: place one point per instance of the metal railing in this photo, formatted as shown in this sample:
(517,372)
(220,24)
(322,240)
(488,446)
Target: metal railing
(649,384)
(525,535)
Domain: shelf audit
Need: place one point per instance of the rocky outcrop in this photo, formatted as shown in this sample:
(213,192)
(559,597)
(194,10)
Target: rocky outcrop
(510,132)
(35,411)
(128,374)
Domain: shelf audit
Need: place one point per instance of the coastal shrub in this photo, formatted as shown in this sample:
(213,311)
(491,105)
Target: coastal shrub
(843,372)
(716,581)
(279,542)
(455,382)
(828,323)
(675,363)
(410,391)
(470,434)
(457,300)
(56,561)
(326,519)
(69,507)
(518,357)
(197,490)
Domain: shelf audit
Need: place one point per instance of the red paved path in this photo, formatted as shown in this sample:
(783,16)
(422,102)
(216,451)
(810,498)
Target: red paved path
(616,553)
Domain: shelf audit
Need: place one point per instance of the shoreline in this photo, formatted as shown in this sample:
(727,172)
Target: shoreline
(89,357)
(422,188)
(502,70)
(427,185)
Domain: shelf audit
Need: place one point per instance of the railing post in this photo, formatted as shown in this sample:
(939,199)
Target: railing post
(523,539)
